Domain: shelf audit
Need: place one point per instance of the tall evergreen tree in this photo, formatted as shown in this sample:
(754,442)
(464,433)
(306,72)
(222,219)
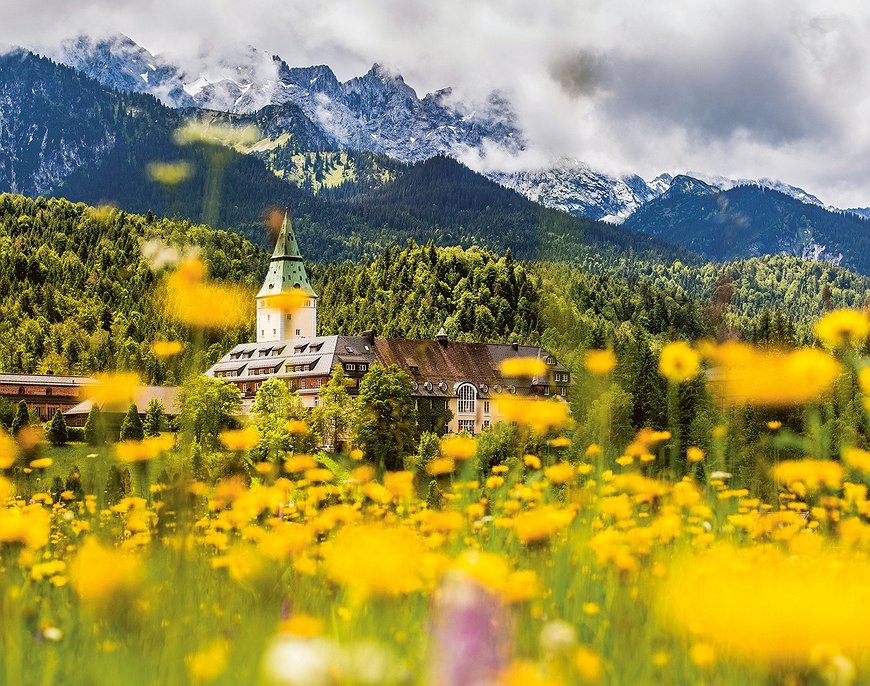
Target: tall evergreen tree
(132,428)
(57,433)
(22,418)
(95,428)
(154,418)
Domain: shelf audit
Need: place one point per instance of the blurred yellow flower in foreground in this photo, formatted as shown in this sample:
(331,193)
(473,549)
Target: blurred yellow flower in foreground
(523,366)
(216,133)
(541,415)
(169,173)
(458,447)
(166,348)
(41,463)
(186,297)
(560,473)
(694,454)
(599,362)
(113,390)
(371,560)
(441,465)
(679,362)
(813,474)
(297,426)
(290,301)
(207,664)
(144,450)
(239,440)
(541,524)
(8,450)
(750,376)
(760,603)
(842,328)
(98,574)
(29,525)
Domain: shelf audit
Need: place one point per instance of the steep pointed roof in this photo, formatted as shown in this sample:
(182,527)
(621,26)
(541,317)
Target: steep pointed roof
(286,268)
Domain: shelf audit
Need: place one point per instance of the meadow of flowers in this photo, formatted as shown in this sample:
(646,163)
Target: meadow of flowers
(578,565)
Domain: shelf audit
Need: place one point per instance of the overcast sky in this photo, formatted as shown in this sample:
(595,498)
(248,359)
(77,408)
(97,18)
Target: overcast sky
(739,88)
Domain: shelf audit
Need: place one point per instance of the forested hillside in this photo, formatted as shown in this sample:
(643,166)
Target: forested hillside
(76,294)
(750,220)
(363,204)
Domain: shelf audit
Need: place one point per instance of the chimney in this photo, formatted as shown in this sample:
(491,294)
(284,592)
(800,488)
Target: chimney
(515,345)
(369,335)
(441,337)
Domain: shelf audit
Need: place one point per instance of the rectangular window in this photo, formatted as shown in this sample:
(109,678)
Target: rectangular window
(486,407)
(546,390)
(563,391)
(363,367)
(466,425)
(302,383)
(316,401)
(319,383)
(298,332)
(351,367)
(486,424)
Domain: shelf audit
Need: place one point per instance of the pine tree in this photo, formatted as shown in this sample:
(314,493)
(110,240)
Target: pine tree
(22,418)
(95,429)
(57,433)
(154,418)
(132,428)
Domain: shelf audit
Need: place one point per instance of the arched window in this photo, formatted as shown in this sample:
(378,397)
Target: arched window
(467,395)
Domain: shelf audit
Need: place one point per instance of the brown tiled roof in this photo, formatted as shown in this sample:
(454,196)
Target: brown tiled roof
(450,362)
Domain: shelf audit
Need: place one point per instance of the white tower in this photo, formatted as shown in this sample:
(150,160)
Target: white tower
(286,278)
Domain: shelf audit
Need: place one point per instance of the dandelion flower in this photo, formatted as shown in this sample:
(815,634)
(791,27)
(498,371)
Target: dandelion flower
(842,328)
(599,362)
(679,363)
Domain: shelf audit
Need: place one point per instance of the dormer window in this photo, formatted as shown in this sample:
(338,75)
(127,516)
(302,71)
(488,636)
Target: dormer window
(348,349)
(550,359)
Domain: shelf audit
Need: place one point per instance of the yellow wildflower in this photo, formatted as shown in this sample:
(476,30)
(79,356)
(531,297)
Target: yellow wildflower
(400,484)
(694,454)
(541,524)
(146,449)
(113,390)
(240,440)
(745,375)
(812,474)
(302,626)
(560,473)
(373,560)
(458,447)
(169,173)
(319,475)
(761,602)
(560,442)
(97,574)
(207,664)
(299,463)
(166,348)
(588,665)
(523,366)
(599,362)
(8,450)
(41,463)
(541,415)
(532,461)
(441,465)
(297,427)
(857,459)
(842,328)
(356,454)
(186,297)
(678,362)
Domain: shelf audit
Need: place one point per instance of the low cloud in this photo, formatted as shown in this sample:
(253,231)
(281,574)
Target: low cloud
(734,87)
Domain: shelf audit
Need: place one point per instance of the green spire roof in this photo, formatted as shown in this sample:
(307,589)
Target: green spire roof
(286,269)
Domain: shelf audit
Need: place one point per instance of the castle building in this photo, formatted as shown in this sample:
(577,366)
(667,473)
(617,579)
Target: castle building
(461,377)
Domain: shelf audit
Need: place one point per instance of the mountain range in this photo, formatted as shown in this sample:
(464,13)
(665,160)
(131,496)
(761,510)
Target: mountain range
(349,157)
